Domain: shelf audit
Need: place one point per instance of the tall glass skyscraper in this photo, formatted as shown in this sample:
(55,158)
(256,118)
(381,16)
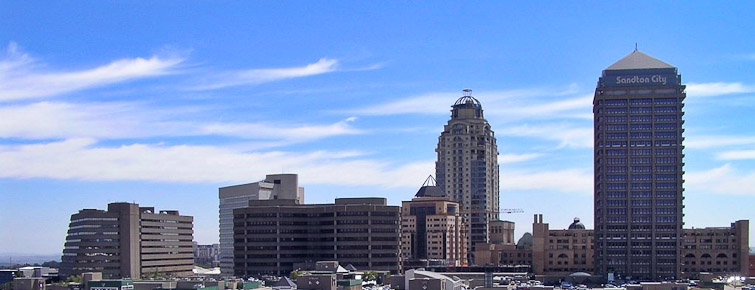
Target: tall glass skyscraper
(638,111)
(467,167)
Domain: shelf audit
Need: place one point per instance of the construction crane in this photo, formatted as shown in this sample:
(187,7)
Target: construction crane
(511,210)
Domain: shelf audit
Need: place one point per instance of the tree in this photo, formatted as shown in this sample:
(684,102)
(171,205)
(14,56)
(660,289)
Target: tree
(74,279)
(370,276)
(295,274)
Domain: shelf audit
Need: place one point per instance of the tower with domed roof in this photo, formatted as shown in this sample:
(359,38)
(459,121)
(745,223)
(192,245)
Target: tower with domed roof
(467,167)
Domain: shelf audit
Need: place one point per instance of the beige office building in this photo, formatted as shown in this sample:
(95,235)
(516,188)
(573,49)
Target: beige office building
(128,241)
(432,229)
(561,252)
(720,250)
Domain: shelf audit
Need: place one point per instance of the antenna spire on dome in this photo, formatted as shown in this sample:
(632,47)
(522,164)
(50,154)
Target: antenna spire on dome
(467,92)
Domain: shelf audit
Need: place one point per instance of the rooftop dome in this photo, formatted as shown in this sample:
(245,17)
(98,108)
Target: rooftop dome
(525,241)
(576,225)
(467,107)
(468,99)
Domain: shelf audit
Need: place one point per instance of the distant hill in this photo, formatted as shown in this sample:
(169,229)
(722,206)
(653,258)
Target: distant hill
(13,259)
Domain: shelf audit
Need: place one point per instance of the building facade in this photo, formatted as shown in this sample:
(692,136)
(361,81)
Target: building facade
(433,229)
(275,186)
(207,254)
(502,232)
(722,250)
(561,252)
(467,167)
(271,236)
(638,118)
(548,251)
(128,241)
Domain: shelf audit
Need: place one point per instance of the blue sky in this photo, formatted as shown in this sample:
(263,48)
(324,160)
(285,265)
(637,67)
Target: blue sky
(162,103)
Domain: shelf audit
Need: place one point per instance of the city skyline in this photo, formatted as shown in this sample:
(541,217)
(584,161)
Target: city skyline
(137,103)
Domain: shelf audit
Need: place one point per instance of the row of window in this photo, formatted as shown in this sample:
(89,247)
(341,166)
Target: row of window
(637,160)
(639,135)
(638,110)
(638,185)
(643,101)
(633,143)
(638,118)
(638,152)
(640,169)
(640,177)
(638,127)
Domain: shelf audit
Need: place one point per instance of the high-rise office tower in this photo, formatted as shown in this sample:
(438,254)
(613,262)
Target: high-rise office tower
(638,169)
(275,186)
(467,167)
(128,241)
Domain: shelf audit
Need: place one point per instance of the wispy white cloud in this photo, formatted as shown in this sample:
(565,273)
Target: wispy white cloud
(267,130)
(721,180)
(43,120)
(119,120)
(513,158)
(566,180)
(22,78)
(259,76)
(509,104)
(84,159)
(566,134)
(717,89)
(714,141)
(736,155)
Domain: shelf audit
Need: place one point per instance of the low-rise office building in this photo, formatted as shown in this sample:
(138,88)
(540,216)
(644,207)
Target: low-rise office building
(720,250)
(433,229)
(561,252)
(549,252)
(271,236)
(128,241)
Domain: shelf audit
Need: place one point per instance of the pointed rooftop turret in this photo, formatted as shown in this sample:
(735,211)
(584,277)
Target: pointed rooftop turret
(638,60)
(430,189)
